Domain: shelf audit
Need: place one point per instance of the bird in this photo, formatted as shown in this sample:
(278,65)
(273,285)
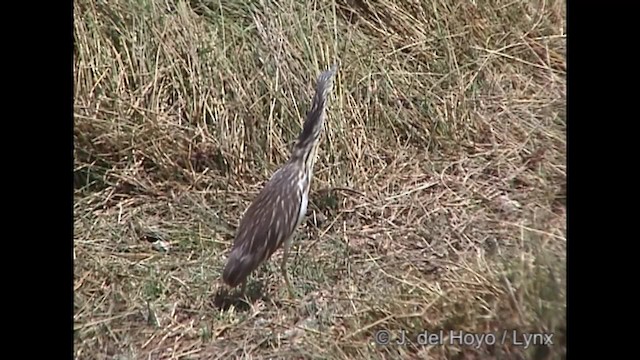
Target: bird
(271,220)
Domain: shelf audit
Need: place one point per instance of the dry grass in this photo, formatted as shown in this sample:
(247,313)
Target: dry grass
(448,123)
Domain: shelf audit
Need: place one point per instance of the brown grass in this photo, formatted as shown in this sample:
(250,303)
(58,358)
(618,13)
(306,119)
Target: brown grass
(438,201)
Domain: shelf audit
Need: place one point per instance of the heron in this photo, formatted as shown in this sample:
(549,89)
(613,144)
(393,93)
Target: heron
(272,218)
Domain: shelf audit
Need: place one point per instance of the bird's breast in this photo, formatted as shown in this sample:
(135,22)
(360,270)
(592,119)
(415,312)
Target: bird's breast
(303,206)
(303,193)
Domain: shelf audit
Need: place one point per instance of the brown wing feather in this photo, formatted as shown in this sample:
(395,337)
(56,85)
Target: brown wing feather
(266,223)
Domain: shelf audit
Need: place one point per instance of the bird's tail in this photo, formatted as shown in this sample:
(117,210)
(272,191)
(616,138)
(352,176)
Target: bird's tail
(238,268)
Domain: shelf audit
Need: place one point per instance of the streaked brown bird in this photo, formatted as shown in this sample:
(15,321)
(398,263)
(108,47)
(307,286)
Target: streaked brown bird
(273,216)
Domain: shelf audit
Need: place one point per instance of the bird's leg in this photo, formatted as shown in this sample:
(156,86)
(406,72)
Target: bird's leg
(285,255)
(244,286)
(244,292)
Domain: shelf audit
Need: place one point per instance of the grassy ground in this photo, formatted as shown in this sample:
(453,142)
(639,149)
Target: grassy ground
(439,199)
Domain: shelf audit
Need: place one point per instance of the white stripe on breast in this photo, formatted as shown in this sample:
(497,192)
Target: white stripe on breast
(305,201)
(303,206)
